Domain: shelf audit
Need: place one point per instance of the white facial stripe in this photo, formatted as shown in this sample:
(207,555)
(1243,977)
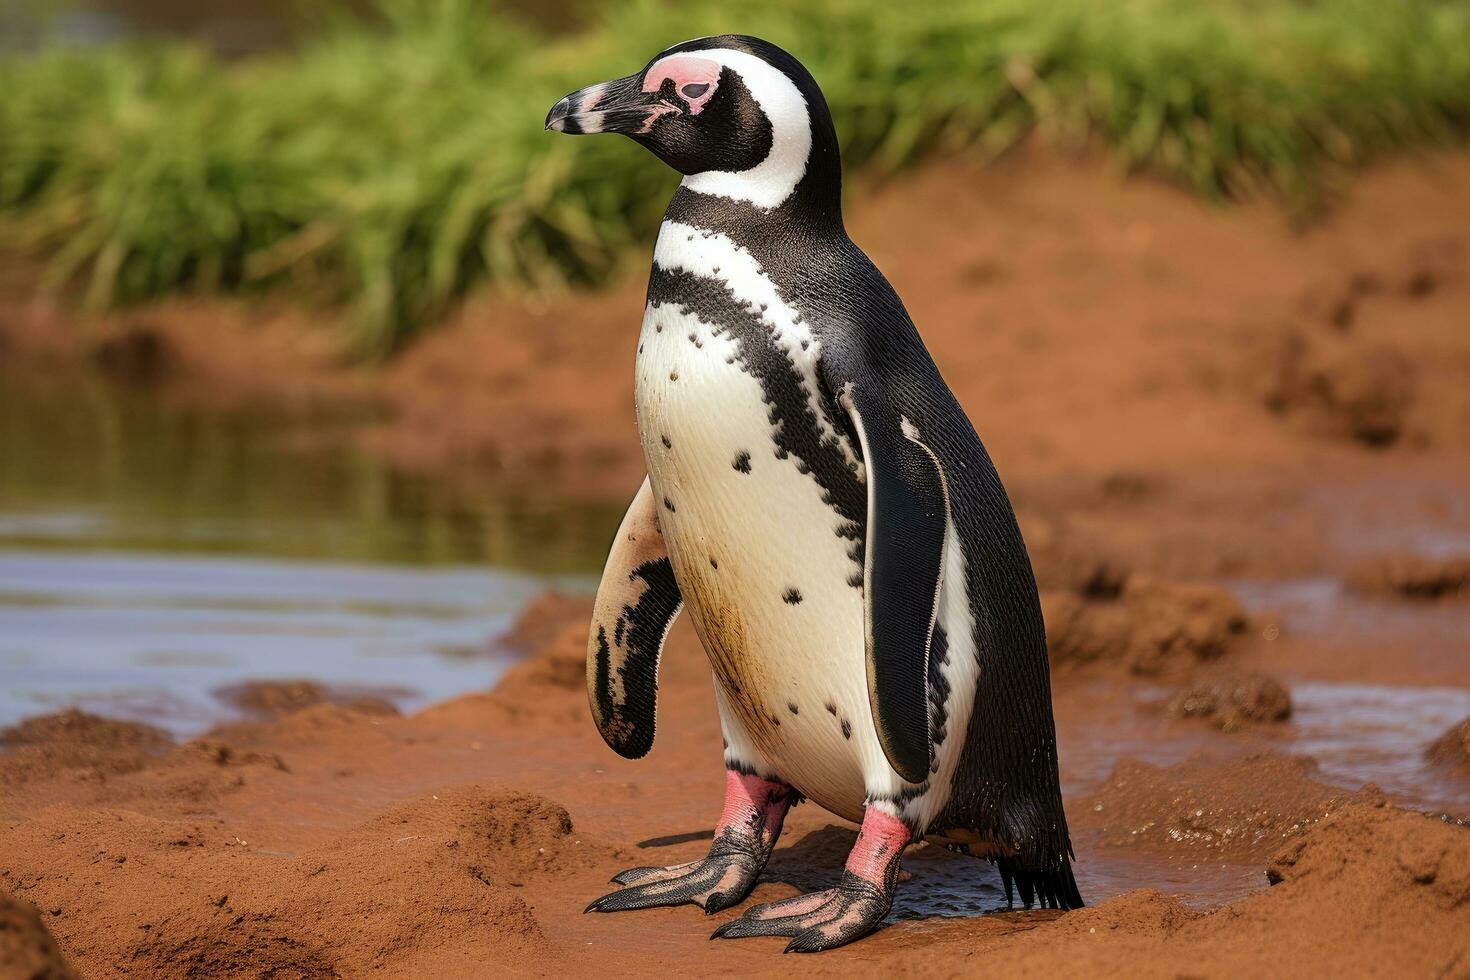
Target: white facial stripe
(770,182)
(710,255)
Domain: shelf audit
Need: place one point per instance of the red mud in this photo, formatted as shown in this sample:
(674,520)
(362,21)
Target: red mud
(466,839)
(1175,393)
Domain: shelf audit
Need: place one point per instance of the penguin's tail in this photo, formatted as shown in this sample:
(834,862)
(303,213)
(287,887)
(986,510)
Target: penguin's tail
(1054,888)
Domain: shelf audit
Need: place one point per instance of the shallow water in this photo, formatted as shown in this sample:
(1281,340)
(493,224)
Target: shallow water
(149,557)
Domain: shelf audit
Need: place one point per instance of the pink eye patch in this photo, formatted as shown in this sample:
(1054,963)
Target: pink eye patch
(695,79)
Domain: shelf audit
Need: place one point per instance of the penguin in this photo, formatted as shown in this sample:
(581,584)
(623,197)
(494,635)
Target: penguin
(818,501)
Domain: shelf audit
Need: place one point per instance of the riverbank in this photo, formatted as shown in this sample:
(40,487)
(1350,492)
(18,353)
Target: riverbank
(345,839)
(1238,451)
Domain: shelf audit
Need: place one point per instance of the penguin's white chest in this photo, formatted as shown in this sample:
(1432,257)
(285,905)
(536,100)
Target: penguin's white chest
(766,576)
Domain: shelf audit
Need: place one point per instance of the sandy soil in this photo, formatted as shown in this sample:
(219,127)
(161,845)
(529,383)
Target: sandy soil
(466,839)
(1177,394)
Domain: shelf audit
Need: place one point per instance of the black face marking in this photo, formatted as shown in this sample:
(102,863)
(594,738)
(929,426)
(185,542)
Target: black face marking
(668,505)
(775,721)
(714,564)
(665,440)
(791,707)
(742,462)
(831,709)
(628,726)
(730,133)
(846,729)
(792,597)
(673,375)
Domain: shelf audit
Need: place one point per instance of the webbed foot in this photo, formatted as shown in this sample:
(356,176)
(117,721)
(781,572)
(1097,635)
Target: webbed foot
(744,837)
(837,916)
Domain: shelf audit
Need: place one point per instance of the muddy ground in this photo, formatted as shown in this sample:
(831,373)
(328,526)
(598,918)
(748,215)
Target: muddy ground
(1239,454)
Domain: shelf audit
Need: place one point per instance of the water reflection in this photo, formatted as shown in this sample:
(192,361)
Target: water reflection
(89,465)
(150,556)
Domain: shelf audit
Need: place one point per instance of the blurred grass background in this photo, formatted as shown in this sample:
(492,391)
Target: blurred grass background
(395,158)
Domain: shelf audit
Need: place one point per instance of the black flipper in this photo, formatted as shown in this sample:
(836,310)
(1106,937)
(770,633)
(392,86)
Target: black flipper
(908,518)
(637,601)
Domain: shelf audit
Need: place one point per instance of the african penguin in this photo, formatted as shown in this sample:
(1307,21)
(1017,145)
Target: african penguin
(820,503)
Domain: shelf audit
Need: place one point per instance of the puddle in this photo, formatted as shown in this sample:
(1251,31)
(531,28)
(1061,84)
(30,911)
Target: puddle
(149,637)
(1361,733)
(150,556)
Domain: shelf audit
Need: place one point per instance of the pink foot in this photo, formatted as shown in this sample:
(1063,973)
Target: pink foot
(837,916)
(754,811)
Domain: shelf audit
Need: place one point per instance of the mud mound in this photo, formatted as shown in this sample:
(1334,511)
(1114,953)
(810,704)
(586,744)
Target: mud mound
(502,831)
(399,893)
(1232,701)
(72,739)
(1414,577)
(1239,809)
(275,699)
(1367,891)
(1452,749)
(544,619)
(1065,560)
(1336,387)
(557,667)
(1151,627)
(1388,853)
(27,951)
(138,353)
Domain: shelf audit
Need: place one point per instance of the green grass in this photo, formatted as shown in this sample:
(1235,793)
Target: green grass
(397,163)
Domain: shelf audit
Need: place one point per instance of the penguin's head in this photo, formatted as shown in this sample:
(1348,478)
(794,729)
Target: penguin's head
(738,116)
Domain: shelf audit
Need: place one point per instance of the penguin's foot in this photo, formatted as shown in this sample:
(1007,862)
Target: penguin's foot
(754,811)
(836,916)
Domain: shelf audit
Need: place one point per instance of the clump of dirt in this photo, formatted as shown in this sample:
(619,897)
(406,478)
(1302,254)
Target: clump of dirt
(276,699)
(139,354)
(1231,701)
(1336,387)
(73,739)
(506,832)
(552,682)
(1238,809)
(26,948)
(1384,850)
(1452,749)
(1063,559)
(543,620)
(1152,625)
(1414,577)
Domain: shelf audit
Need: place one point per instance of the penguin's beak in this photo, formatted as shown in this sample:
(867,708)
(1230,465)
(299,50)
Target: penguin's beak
(619,106)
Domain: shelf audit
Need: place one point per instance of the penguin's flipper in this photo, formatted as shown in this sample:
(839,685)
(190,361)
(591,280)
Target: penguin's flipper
(637,601)
(908,521)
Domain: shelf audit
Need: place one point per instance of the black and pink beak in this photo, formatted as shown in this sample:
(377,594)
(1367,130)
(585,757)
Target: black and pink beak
(619,106)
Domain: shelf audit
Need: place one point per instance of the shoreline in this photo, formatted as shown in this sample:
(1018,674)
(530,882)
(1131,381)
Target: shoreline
(1237,453)
(348,839)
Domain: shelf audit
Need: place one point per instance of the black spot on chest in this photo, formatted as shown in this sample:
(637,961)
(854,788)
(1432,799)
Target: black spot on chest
(796,431)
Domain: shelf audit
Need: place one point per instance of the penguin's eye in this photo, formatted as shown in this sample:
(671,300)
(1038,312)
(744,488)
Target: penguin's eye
(694,90)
